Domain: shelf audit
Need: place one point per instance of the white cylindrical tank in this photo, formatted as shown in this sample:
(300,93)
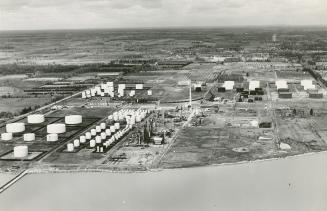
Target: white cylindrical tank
(70,147)
(149,92)
(73,119)
(76,143)
(112,129)
(97,129)
(108,133)
(103,135)
(6,136)
(92,143)
(98,139)
(88,135)
(103,125)
(16,127)
(82,139)
(110,117)
(117,125)
(35,119)
(20,151)
(93,132)
(52,137)
(56,128)
(29,137)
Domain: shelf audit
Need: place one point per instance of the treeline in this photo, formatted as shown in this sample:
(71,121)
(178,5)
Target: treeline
(71,69)
(7,69)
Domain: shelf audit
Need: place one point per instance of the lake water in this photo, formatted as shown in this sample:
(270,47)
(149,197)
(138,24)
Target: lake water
(296,183)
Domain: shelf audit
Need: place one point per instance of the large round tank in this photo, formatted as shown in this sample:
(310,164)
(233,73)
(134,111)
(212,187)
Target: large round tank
(35,119)
(16,127)
(6,136)
(52,137)
(20,151)
(56,128)
(73,119)
(97,129)
(29,137)
(70,147)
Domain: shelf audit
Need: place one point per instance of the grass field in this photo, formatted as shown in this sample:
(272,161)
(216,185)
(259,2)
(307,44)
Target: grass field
(204,146)
(15,105)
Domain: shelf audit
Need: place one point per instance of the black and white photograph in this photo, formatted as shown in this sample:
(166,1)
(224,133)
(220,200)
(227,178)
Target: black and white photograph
(163,105)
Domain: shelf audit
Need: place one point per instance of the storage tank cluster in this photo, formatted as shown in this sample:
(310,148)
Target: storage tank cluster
(12,128)
(108,89)
(58,128)
(100,90)
(101,137)
(19,127)
(108,133)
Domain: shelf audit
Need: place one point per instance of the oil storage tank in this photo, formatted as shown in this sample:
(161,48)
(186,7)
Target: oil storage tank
(35,118)
(52,137)
(73,119)
(20,151)
(29,137)
(56,128)
(16,127)
(6,136)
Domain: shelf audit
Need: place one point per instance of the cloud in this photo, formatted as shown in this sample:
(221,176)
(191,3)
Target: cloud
(40,14)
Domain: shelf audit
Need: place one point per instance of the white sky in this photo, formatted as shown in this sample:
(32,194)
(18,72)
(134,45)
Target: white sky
(73,14)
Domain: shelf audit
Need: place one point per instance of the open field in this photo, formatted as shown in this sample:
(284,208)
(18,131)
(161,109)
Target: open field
(16,105)
(206,146)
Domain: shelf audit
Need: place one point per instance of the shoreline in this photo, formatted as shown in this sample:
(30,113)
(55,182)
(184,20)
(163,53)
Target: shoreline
(146,170)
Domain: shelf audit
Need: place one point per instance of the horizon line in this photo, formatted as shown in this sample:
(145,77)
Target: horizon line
(172,27)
